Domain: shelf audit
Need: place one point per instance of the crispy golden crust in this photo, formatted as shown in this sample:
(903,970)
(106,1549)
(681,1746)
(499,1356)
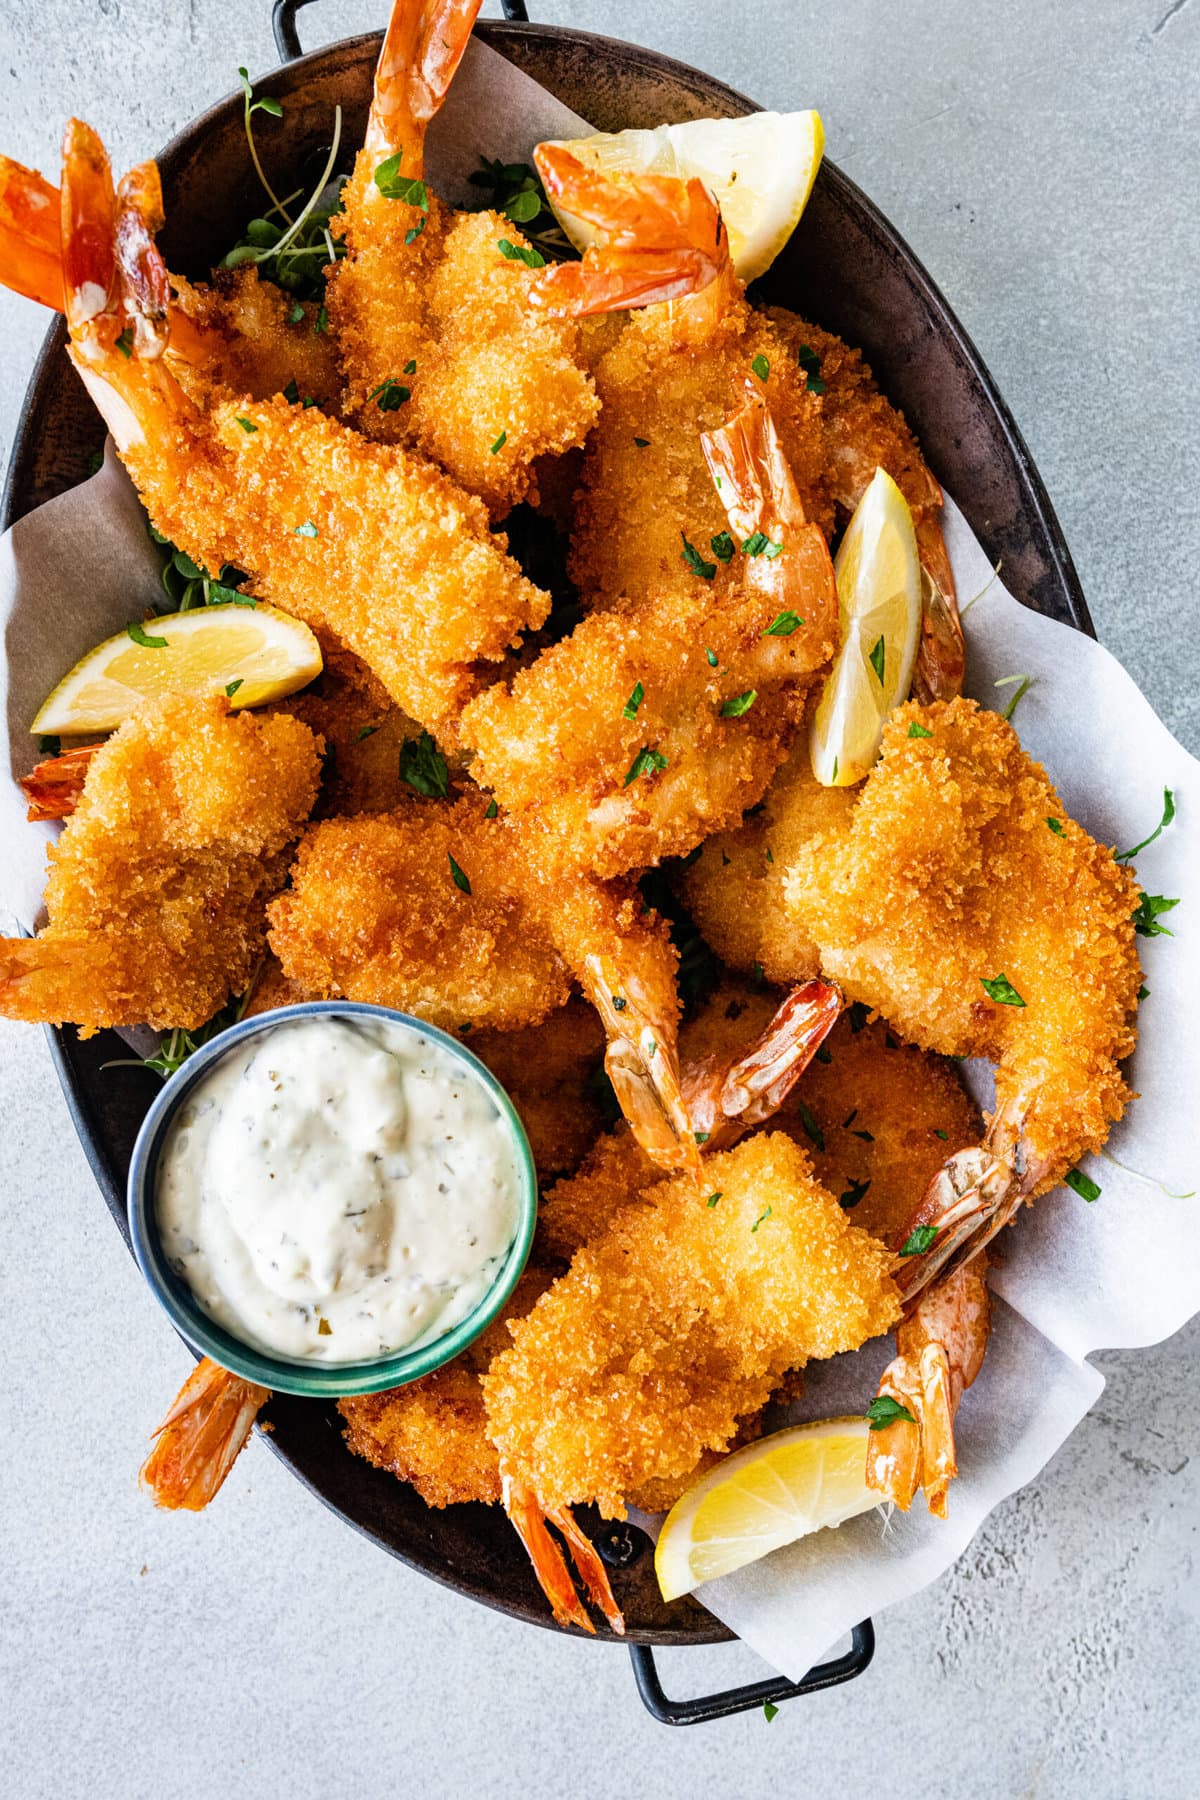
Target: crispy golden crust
(363,734)
(264,346)
(159,883)
(635,498)
(677,1323)
(433,1432)
(948,876)
(735,888)
(487,366)
(367,539)
(374,913)
(550,1072)
(615,1172)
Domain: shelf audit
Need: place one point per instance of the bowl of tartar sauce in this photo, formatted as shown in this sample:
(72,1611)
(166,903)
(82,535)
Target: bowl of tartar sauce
(332,1198)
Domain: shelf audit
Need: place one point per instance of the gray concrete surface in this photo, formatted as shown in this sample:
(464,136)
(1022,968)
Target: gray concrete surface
(1042,161)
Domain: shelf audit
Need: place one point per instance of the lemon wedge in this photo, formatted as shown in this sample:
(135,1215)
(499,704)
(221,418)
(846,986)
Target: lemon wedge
(879,606)
(252,653)
(760,170)
(763,1497)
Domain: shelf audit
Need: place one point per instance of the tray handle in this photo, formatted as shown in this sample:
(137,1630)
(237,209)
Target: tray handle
(707,1707)
(287,38)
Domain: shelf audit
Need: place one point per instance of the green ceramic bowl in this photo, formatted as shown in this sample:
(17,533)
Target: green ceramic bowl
(294,1375)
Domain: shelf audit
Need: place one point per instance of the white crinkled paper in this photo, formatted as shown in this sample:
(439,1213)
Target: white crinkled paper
(1073,1277)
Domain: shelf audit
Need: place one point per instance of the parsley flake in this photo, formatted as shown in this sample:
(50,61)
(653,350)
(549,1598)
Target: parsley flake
(810,1125)
(125,342)
(884,1411)
(366,731)
(50,745)
(1145,915)
(1000,989)
(701,1137)
(295,312)
(1083,1185)
(918,731)
(642,443)
(646,762)
(139,635)
(390,395)
(770,1710)
(1168,813)
(423,767)
(394,186)
(723,546)
(500,442)
(1056,826)
(783,625)
(414,231)
(533,259)
(630,708)
(492,810)
(741,703)
(761,366)
(810,362)
(713,1198)
(944,1135)
(619,1003)
(460,878)
(247,425)
(307,530)
(710,656)
(695,562)
(919,1240)
(231,687)
(321,322)
(1143,992)
(759,544)
(853,1194)
(876,658)
(410,367)
(762,1218)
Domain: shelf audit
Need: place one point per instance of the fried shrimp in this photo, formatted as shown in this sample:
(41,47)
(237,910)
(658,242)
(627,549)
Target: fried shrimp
(159,883)
(447,912)
(440,348)
(677,1322)
(551,1073)
(980,920)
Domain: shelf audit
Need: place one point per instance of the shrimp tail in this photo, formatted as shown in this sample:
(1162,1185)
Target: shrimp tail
(660,239)
(146,284)
(54,787)
(421,52)
(941,655)
(549,1565)
(726,1098)
(642,1062)
(30,235)
(201,1437)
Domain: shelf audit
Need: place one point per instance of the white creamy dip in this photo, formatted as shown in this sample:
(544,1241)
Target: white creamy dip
(338,1188)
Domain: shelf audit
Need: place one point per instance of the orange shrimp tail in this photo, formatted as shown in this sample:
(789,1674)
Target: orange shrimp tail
(53,787)
(660,239)
(421,52)
(144,279)
(201,1437)
(726,1099)
(751,472)
(88,221)
(549,1564)
(941,655)
(30,235)
(642,1062)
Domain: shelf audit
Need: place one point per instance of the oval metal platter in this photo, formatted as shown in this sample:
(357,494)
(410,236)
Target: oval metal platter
(846,268)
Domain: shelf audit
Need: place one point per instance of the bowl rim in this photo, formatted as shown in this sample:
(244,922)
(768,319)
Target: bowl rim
(288,1375)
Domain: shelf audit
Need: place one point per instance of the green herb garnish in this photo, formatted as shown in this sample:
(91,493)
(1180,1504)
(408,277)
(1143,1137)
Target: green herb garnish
(783,625)
(919,1240)
(460,877)
(713,1198)
(1168,813)
(722,546)
(884,1411)
(231,687)
(695,562)
(307,530)
(1025,682)
(810,1125)
(523,253)
(853,1194)
(500,442)
(646,762)
(125,342)
(491,810)
(423,767)
(395,186)
(761,366)
(918,731)
(876,658)
(630,708)
(810,362)
(1146,914)
(1056,826)
(1000,989)
(390,395)
(1082,1184)
(710,657)
(759,544)
(247,425)
(762,1218)
(741,703)
(139,635)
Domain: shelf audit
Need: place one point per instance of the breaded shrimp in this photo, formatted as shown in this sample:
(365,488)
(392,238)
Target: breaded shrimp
(439,346)
(679,1321)
(363,732)
(980,920)
(159,883)
(551,1073)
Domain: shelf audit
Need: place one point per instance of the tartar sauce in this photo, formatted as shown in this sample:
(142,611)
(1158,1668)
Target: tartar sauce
(337,1189)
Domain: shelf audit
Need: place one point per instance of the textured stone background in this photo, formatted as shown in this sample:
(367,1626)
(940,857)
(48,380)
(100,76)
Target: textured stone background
(1042,162)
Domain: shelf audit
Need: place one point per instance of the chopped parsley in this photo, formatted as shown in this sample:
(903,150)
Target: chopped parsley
(710,656)
(810,362)
(1168,813)
(630,708)
(1024,683)
(499,443)
(423,767)
(395,186)
(713,1198)
(410,367)
(770,1710)
(1082,1184)
(307,530)
(762,1218)
(619,1003)
(1056,826)
(944,1135)
(783,625)
(1000,989)
(390,395)
(50,745)
(758,974)
(701,1137)
(139,635)
(723,546)
(642,443)
(366,731)
(321,322)
(492,810)
(695,562)
(884,1411)
(1143,992)
(693,856)
(919,1240)
(247,425)
(853,1194)
(918,731)
(1146,915)
(761,366)
(414,231)
(460,877)
(125,342)
(295,312)
(231,687)
(876,658)
(523,253)
(741,703)
(646,762)
(810,1125)
(759,544)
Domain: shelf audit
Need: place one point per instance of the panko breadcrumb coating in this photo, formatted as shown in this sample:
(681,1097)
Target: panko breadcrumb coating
(551,1073)
(257,346)
(678,1322)
(949,876)
(159,883)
